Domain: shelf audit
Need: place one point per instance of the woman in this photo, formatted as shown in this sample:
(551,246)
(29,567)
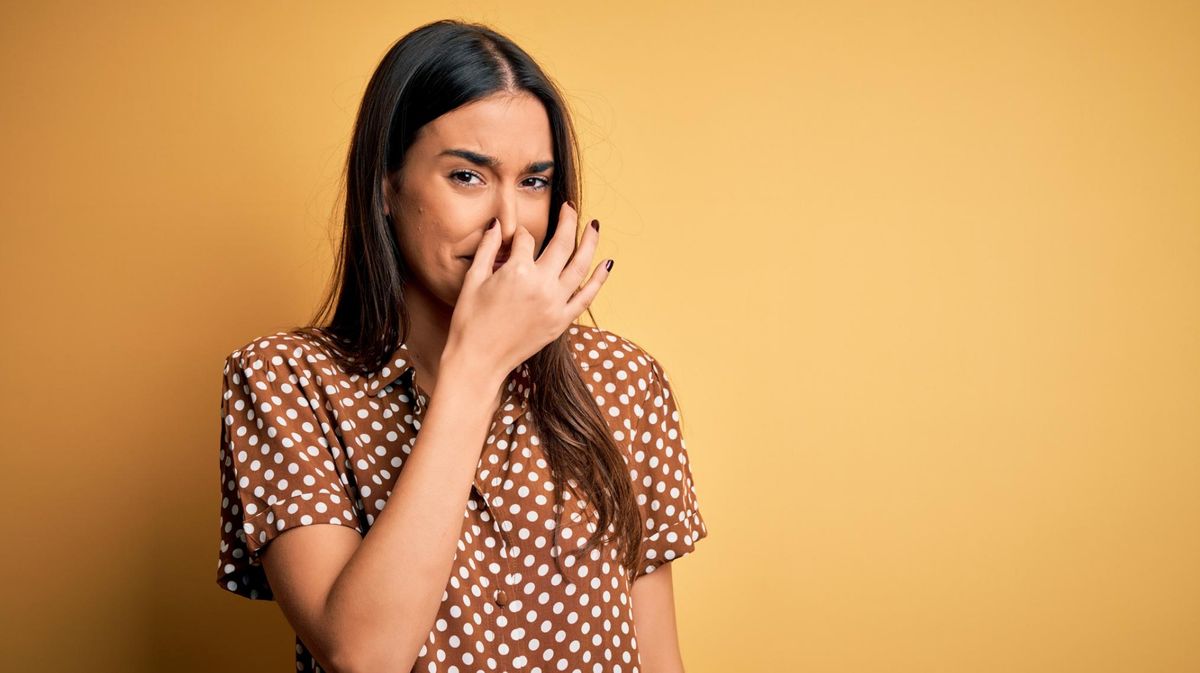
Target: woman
(521,528)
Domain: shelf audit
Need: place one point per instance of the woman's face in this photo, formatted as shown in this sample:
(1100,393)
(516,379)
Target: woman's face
(490,158)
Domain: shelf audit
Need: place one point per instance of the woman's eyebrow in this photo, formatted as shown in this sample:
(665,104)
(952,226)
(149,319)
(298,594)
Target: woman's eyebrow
(492,162)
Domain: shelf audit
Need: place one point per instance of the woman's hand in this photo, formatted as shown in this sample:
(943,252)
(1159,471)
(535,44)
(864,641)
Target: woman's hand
(501,318)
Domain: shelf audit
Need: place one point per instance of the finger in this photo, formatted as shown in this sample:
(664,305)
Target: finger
(485,252)
(562,243)
(583,298)
(522,245)
(577,268)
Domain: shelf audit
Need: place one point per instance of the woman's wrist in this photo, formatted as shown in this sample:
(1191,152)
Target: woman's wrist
(471,371)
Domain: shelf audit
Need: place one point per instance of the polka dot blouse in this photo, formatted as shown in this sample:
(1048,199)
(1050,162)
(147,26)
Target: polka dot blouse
(303,443)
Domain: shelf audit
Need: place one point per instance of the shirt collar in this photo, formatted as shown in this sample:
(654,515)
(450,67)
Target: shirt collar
(401,362)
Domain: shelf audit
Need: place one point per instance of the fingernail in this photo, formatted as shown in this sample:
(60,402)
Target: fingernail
(608,265)
(596,225)
(493,222)
(572,204)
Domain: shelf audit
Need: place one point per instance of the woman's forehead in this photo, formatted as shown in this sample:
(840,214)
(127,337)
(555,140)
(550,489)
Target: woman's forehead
(512,131)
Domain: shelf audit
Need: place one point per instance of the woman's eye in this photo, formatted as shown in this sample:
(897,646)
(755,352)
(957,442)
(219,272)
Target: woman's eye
(464,178)
(469,175)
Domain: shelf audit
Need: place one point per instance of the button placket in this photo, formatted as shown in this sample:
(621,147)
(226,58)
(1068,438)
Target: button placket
(500,583)
(505,592)
(481,485)
(349,450)
(414,392)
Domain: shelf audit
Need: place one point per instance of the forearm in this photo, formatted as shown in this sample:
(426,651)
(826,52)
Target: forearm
(387,596)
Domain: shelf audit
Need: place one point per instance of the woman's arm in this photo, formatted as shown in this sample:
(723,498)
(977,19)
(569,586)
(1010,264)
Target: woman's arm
(654,621)
(366,604)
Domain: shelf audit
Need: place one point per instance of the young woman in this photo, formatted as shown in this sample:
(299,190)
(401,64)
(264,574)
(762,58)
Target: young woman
(501,488)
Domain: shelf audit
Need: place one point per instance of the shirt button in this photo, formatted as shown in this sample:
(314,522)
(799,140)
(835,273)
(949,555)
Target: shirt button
(501,598)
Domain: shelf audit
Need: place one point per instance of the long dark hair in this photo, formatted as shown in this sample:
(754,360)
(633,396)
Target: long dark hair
(427,73)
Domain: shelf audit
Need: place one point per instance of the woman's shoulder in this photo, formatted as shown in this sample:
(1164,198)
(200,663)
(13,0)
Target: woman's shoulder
(597,347)
(285,350)
(607,357)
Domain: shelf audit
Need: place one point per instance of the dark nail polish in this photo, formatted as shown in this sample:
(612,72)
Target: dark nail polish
(572,204)
(596,225)
(608,265)
(492,223)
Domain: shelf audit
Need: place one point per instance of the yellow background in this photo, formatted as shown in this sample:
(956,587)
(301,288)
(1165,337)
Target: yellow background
(925,275)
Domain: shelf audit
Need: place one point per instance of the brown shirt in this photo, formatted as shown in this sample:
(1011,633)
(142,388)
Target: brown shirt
(303,443)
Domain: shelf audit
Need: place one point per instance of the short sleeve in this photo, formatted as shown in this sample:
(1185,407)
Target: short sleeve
(278,468)
(662,477)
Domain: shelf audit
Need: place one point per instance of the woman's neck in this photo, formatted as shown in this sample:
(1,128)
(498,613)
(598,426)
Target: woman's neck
(428,329)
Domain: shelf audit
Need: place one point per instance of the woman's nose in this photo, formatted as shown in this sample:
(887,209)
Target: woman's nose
(508,226)
(506,212)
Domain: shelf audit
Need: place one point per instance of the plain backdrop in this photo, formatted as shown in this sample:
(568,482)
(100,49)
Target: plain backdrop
(925,276)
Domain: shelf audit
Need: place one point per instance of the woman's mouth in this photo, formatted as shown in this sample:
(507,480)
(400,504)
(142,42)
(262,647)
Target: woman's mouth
(496,265)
